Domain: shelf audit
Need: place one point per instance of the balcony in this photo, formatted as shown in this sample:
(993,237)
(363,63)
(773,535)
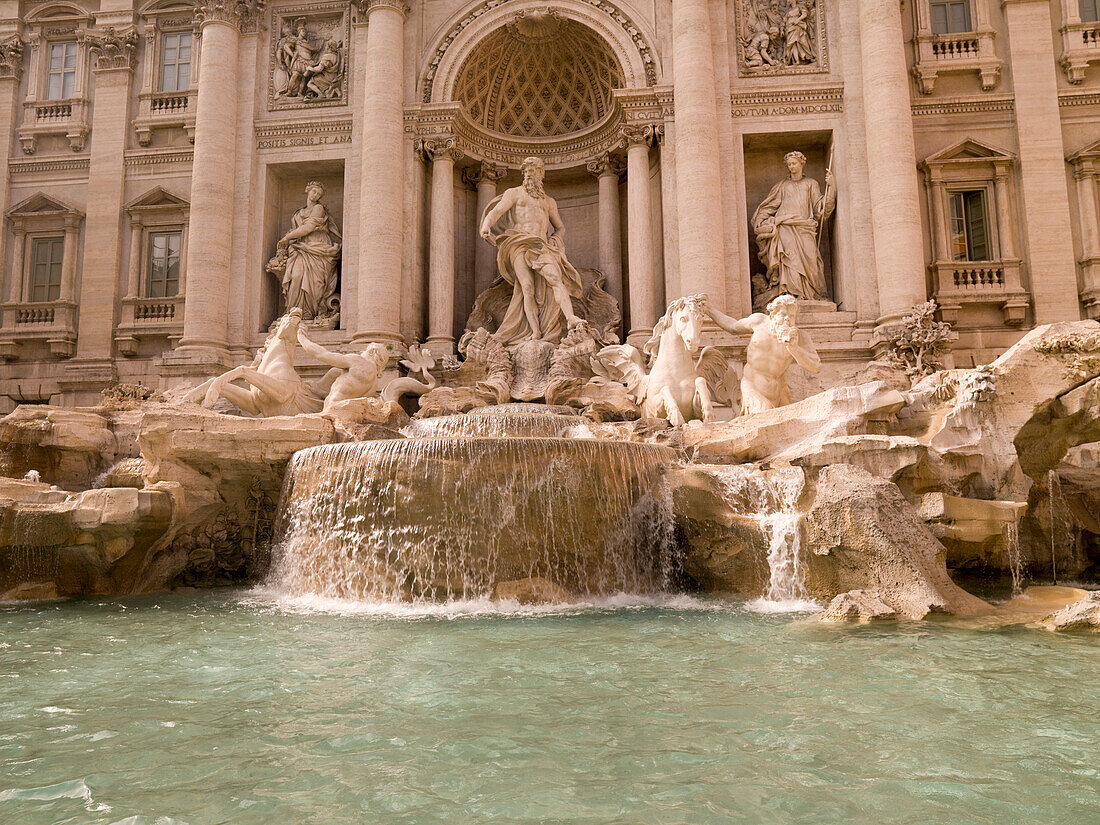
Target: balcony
(55,117)
(149,318)
(53,322)
(165,110)
(980,282)
(1080,46)
(964,52)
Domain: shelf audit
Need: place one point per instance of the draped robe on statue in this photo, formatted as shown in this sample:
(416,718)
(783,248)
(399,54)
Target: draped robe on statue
(786,233)
(543,256)
(309,279)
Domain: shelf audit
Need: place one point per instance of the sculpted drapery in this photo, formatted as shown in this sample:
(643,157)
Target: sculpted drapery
(546,258)
(786,226)
(307,257)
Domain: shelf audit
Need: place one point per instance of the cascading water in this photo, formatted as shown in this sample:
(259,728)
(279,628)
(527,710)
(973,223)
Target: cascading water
(770,498)
(1011,533)
(485,499)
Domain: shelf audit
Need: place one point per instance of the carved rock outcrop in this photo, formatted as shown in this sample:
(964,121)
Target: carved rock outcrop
(1081,615)
(861,606)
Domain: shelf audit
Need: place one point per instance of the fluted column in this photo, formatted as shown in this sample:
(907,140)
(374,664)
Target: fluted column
(441,249)
(485,177)
(18,261)
(381,184)
(1004,215)
(606,168)
(939,218)
(639,233)
(206,319)
(68,261)
(698,177)
(892,167)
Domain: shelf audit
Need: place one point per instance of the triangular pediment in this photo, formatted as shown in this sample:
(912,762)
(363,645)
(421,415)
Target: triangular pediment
(40,205)
(1092,151)
(969,150)
(158,198)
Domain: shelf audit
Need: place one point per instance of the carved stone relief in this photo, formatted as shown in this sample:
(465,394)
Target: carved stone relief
(780,37)
(11,58)
(309,57)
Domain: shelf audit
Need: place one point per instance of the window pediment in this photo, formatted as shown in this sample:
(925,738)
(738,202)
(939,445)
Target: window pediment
(41,205)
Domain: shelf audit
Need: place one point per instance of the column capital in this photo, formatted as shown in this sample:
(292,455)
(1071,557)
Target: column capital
(11,58)
(240,14)
(441,147)
(114,49)
(637,133)
(367,6)
(605,164)
(484,172)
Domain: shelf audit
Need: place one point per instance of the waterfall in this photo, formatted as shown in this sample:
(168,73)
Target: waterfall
(1052,479)
(1011,533)
(441,518)
(770,498)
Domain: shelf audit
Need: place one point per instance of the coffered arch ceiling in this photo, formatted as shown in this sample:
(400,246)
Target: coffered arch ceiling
(540,75)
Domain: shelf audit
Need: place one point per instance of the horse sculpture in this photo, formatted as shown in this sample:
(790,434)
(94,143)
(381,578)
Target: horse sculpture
(274,388)
(679,386)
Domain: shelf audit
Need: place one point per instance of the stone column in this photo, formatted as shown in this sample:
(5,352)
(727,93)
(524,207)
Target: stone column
(892,166)
(114,53)
(441,250)
(1004,216)
(18,260)
(1042,161)
(68,260)
(485,178)
(607,168)
(11,70)
(939,220)
(213,174)
(381,187)
(698,177)
(639,233)
(1086,197)
(133,274)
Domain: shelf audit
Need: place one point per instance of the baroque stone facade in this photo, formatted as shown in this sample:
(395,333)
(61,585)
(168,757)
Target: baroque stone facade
(156,155)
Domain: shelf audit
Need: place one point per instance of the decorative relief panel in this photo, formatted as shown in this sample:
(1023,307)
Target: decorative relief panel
(309,56)
(781,37)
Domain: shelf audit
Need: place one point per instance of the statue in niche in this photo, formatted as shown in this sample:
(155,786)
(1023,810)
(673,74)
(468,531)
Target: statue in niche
(305,261)
(353,375)
(274,388)
(307,67)
(776,343)
(679,386)
(778,35)
(787,225)
(525,227)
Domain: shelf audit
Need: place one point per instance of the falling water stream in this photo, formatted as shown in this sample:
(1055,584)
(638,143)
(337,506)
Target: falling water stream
(470,501)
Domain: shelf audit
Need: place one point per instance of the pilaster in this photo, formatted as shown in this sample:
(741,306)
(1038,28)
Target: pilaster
(607,168)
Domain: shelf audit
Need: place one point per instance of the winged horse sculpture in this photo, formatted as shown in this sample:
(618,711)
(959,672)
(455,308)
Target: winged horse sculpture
(680,385)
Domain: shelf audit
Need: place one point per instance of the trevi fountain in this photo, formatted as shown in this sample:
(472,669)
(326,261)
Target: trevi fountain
(556,577)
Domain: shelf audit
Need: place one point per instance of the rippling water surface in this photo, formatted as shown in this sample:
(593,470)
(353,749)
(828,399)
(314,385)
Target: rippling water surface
(238,708)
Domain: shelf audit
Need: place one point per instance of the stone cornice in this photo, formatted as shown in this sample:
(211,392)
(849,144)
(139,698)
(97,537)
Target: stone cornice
(30,167)
(11,58)
(113,49)
(1069,99)
(157,158)
(303,127)
(964,105)
(243,15)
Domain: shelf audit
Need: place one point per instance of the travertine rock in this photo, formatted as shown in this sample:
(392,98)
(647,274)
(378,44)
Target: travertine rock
(863,534)
(534,590)
(836,412)
(1081,615)
(861,606)
(69,447)
(70,544)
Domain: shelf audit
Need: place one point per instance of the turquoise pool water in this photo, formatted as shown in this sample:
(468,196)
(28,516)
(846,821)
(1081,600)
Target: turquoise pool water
(234,707)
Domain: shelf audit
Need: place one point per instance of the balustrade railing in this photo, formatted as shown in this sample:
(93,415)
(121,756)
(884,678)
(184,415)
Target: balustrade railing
(955,46)
(53,112)
(34,315)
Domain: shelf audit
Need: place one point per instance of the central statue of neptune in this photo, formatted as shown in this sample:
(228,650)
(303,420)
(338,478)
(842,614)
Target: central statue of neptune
(525,227)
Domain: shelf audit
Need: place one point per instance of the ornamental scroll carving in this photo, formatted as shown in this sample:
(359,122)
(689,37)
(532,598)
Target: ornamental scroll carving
(781,37)
(11,58)
(309,58)
(244,14)
(113,49)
